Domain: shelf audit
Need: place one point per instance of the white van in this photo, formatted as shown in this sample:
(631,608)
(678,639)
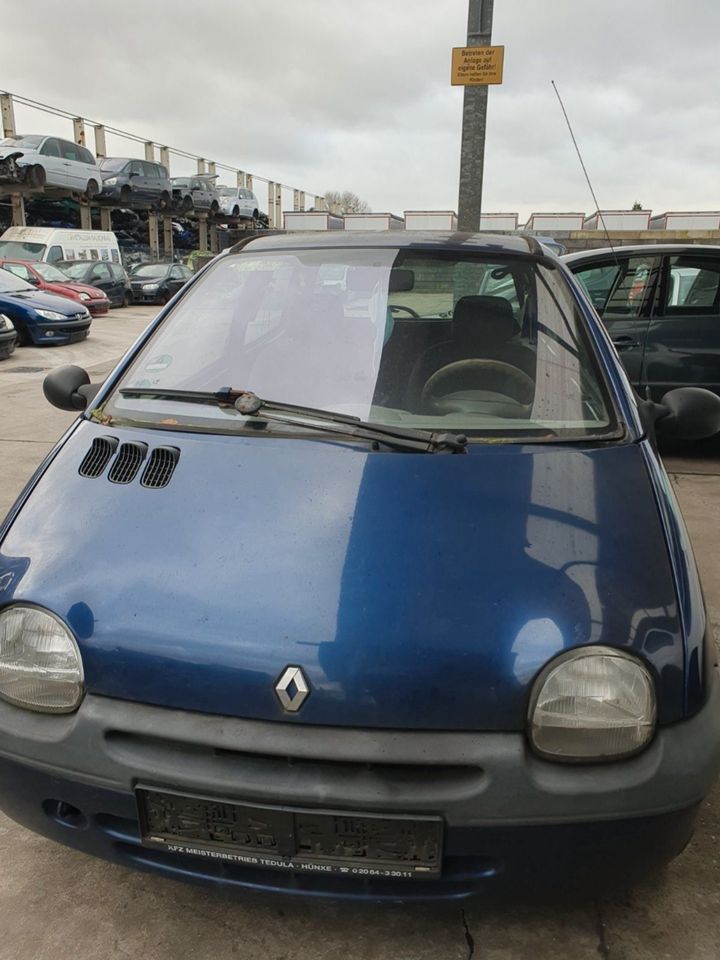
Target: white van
(51,245)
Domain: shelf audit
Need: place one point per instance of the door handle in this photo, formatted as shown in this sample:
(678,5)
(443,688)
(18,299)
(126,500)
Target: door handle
(622,343)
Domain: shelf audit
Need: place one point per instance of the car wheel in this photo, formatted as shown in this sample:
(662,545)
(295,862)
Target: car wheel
(214,207)
(236,211)
(37,176)
(126,300)
(255,214)
(164,200)
(187,204)
(91,189)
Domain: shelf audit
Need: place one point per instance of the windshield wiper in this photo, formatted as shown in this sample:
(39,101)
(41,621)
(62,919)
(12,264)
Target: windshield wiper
(250,405)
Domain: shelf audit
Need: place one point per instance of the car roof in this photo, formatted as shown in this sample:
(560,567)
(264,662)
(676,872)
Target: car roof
(610,252)
(410,240)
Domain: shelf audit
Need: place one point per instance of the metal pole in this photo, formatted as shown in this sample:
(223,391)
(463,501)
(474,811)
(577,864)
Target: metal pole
(472,154)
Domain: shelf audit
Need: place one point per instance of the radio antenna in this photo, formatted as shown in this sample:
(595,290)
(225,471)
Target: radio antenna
(584,170)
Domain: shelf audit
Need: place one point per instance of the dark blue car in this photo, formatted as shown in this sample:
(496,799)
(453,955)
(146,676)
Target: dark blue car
(41,318)
(361,577)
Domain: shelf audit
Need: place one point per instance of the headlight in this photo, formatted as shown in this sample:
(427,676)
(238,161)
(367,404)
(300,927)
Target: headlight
(84,296)
(6,323)
(51,315)
(150,286)
(40,665)
(592,704)
(110,182)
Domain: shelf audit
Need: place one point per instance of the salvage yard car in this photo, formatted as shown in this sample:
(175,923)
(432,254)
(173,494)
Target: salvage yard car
(157,282)
(8,337)
(661,305)
(45,276)
(42,319)
(351,580)
(39,161)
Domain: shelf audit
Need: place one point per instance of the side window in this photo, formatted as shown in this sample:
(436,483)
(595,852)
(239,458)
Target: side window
(152,170)
(51,148)
(84,155)
(100,272)
(68,150)
(620,289)
(136,167)
(693,285)
(54,254)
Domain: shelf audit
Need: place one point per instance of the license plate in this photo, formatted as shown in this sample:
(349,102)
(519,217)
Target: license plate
(283,838)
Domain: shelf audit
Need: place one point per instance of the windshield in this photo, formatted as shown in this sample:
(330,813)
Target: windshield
(406,338)
(150,270)
(227,191)
(112,163)
(30,142)
(180,182)
(15,250)
(75,271)
(50,273)
(9,283)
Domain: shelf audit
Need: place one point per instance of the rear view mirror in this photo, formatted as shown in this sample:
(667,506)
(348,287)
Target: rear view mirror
(401,280)
(688,413)
(69,388)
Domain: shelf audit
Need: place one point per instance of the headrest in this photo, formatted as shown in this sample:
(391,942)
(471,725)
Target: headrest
(489,319)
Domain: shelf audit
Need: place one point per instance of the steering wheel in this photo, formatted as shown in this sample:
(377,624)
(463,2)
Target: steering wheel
(488,376)
(399,306)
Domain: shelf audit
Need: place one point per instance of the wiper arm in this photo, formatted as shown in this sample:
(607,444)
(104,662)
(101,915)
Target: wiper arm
(250,405)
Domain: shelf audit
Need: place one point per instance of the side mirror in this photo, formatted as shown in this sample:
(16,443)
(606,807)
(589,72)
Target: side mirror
(34,281)
(69,388)
(688,413)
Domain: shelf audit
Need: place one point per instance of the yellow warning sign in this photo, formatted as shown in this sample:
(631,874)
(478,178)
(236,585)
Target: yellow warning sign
(477,66)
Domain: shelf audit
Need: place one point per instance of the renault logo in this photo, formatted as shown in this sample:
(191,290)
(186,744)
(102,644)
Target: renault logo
(292,689)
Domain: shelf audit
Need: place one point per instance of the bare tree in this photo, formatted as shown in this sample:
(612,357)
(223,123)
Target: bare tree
(346,202)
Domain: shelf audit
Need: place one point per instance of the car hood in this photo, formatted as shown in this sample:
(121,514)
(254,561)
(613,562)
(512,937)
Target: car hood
(10,151)
(93,292)
(414,591)
(39,300)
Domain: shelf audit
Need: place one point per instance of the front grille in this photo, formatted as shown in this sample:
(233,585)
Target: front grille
(128,462)
(98,456)
(160,468)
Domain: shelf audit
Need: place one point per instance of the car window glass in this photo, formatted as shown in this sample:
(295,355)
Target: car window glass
(68,150)
(55,253)
(693,285)
(51,148)
(19,270)
(136,167)
(85,155)
(622,288)
(100,272)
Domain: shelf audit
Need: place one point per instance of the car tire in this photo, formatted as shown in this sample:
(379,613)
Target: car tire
(187,204)
(214,207)
(236,211)
(255,215)
(36,176)
(126,300)
(165,200)
(92,189)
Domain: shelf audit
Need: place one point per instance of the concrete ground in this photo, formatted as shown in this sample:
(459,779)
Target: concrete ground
(56,904)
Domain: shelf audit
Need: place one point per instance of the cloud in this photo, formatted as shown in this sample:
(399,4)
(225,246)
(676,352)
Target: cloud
(324,95)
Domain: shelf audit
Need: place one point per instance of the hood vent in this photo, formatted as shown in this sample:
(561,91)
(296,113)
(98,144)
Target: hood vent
(160,467)
(128,462)
(98,456)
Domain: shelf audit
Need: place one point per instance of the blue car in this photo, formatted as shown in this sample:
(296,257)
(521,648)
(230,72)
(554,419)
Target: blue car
(360,577)
(41,318)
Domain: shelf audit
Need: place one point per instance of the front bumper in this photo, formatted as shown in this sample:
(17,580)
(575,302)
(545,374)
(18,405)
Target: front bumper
(98,308)
(59,331)
(510,817)
(142,296)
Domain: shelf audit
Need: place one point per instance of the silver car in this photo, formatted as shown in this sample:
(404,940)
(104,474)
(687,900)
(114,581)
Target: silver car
(238,202)
(37,161)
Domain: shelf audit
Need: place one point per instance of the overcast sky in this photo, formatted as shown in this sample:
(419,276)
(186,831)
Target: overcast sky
(326,94)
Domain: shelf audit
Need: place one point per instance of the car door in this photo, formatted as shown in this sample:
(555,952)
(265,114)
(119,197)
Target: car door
(176,280)
(683,339)
(100,276)
(56,174)
(621,288)
(77,172)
